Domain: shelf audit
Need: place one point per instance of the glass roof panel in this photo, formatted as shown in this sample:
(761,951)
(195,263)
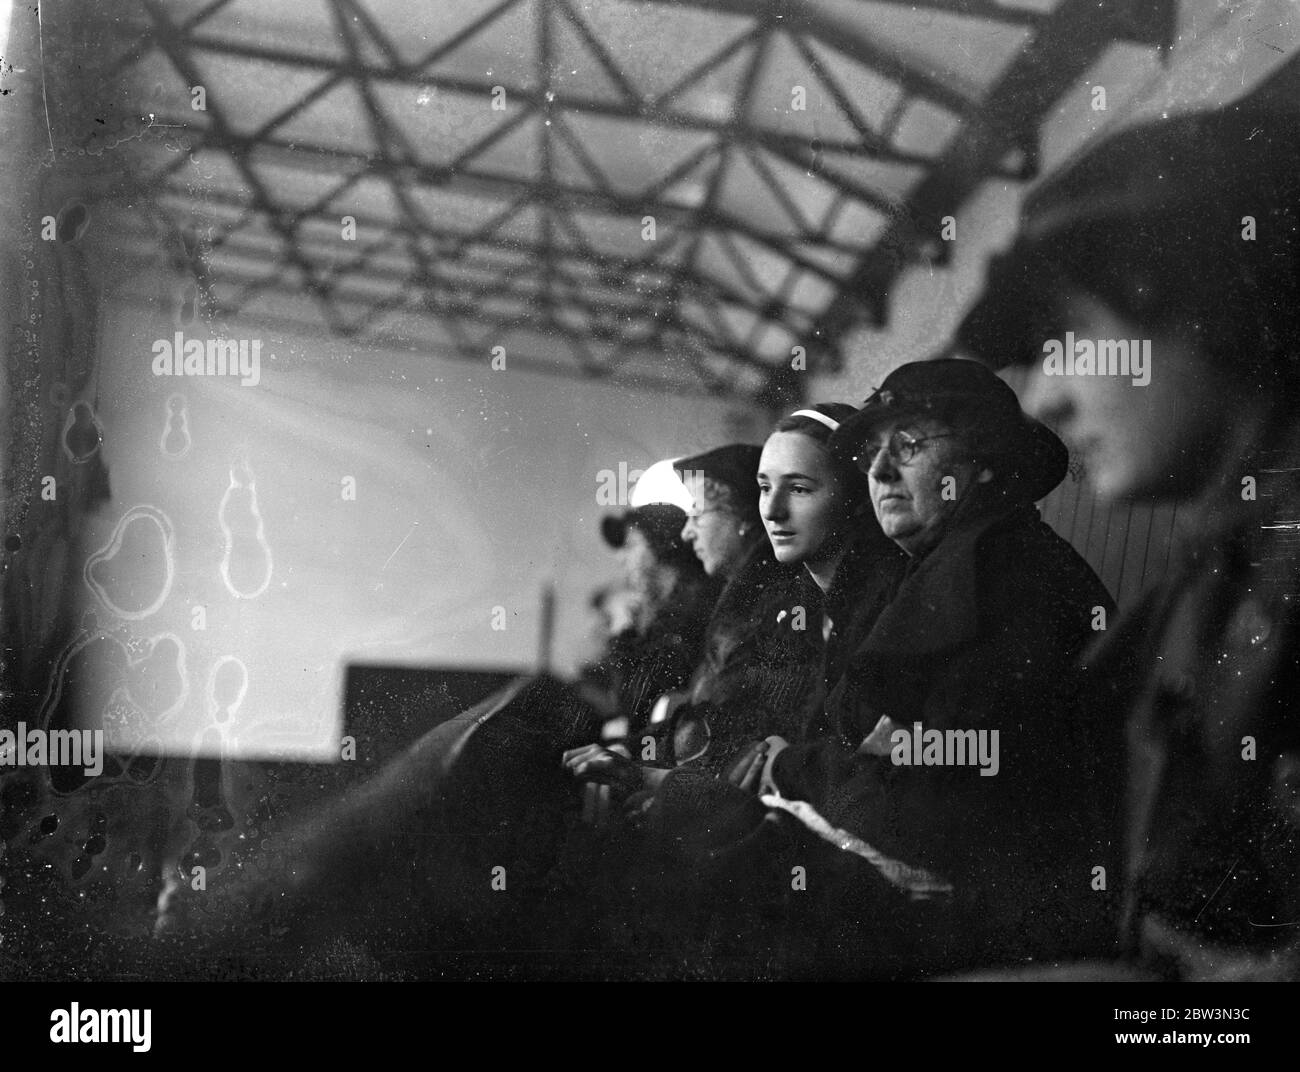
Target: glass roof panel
(503,52)
(925,129)
(247,92)
(872,95)
(516,154)
(632,156)
(791,98)
(253,23)
(337,120)
(811,293)
(746,196)
(967,54)
(414,35)
(439,124)
(767,267)
(656,45)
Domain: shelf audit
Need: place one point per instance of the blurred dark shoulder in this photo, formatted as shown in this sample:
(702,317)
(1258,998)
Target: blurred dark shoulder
(684,616)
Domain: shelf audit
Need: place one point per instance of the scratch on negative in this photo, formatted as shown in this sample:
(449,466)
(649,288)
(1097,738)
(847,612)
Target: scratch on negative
(399,546)
(1217,888)
(45,97)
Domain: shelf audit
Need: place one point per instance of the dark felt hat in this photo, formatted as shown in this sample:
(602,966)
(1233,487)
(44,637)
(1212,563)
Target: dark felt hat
(735,465)
(661,523)
(1150,211)
(970,397)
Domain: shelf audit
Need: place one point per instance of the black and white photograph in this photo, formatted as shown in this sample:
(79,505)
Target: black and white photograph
(638,491)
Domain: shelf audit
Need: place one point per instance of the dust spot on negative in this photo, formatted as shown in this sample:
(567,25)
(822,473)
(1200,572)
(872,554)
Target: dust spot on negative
(187,304)
(175,442)
(82,434)
(72,221)
(44,829)
(227,685)
(132,574)
(157,682)
(246,559)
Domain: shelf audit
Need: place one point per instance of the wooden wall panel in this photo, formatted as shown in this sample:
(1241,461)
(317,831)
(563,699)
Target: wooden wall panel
(1128,544)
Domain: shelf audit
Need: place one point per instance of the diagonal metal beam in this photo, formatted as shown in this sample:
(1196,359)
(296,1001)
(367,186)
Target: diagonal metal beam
(846,37)
(1064,49)
(599,50)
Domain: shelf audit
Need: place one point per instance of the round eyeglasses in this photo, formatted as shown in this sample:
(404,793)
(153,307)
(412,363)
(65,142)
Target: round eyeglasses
(901,447)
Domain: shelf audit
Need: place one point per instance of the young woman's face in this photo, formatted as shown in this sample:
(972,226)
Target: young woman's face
(799,498)
(1157,440)
(713,528)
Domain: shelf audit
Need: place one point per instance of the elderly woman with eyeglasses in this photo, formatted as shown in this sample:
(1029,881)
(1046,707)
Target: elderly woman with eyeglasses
(957,769)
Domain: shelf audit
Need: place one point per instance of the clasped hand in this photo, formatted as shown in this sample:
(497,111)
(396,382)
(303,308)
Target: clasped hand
(610,765)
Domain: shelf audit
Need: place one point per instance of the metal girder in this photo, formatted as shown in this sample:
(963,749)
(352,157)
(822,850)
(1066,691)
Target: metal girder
(646,112)
(1065,47)
(413,263)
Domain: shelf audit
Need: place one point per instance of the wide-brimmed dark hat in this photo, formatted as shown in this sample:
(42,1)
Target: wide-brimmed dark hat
(972,399)
(1152,211)
(735,465)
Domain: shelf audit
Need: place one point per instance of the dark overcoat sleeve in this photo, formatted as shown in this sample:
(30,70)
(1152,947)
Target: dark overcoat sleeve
(987,639)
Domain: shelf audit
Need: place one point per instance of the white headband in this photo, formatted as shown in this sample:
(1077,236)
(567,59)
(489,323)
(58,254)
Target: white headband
(829,422)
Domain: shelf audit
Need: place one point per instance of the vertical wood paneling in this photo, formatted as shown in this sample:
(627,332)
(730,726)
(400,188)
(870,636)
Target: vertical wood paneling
(1117,528)
(1129,545)
(1130,583)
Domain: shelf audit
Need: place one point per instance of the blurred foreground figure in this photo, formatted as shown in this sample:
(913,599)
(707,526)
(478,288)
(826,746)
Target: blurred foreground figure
(1154,293)
(451,840)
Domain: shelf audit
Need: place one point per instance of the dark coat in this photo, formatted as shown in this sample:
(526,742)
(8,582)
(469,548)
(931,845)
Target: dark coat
(762,660)
(637,668)
(1214,796)
(983,633)
(765,669)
